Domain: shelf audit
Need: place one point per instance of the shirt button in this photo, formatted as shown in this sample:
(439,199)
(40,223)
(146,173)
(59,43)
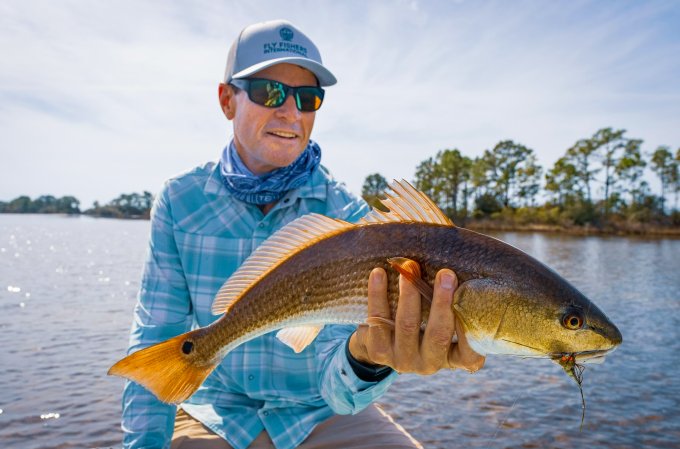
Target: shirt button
(265,413)
(261,225)
(251,377)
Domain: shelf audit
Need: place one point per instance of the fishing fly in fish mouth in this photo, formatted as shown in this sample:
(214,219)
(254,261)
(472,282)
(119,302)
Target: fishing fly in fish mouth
(315,271)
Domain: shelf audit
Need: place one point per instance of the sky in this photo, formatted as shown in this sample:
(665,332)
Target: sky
(99,98)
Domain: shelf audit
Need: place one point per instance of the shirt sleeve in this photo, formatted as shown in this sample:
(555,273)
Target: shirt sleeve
(340,387)
(163,310)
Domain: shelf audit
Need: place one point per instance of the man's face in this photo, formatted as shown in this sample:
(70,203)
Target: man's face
(269,138)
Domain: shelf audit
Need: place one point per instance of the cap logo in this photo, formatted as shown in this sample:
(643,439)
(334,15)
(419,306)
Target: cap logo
(285,44)
(286,33)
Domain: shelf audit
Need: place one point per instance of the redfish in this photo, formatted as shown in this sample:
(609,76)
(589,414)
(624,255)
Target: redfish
(314,271)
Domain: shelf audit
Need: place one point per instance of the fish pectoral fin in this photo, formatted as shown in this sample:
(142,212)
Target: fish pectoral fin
(166,369)
(299,337)
(410,269)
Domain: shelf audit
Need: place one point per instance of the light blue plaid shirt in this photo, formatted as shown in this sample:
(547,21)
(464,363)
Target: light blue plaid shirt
(199,236)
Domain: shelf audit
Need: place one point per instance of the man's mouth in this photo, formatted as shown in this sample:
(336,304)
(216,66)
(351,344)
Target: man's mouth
(283,134)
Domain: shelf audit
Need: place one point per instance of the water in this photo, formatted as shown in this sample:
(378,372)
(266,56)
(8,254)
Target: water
(68,285)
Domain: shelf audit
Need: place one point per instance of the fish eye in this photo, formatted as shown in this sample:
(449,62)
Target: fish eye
(573,320)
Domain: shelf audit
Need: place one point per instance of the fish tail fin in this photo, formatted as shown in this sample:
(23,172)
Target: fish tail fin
(169,369)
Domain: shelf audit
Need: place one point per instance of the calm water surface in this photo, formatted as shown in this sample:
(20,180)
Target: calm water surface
(68,285)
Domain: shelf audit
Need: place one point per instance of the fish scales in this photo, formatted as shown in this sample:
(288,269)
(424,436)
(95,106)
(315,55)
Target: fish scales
(333,274)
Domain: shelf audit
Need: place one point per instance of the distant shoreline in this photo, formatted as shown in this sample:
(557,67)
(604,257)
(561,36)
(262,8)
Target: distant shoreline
(83,214)
(636,229)
(483,225)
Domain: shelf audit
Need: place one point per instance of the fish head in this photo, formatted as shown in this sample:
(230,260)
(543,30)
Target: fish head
(533,319)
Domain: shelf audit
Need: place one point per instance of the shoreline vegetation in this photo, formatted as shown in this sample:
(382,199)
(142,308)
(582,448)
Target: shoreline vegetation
(619,229)
(127,206)
(597,187)
(138,206)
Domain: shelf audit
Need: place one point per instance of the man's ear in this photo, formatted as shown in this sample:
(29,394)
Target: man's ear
(226,95)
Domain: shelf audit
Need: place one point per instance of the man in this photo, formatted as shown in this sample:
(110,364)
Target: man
(207,221)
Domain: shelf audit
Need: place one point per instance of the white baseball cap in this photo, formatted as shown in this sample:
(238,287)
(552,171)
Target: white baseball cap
(265,44)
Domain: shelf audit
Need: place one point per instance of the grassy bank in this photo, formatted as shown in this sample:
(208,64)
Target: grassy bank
(610,229)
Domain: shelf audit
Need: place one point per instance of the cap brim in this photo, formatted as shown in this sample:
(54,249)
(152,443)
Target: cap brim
(324,76)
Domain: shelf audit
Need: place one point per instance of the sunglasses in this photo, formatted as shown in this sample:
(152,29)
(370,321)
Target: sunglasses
(273,94)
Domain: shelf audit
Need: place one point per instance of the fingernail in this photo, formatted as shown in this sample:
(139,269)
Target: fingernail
(377,277)
(447,281)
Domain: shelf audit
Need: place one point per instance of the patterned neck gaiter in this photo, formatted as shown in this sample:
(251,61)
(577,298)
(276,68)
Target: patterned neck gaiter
(269,187)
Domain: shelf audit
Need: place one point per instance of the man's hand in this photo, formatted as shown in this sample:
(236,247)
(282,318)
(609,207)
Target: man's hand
(402,347)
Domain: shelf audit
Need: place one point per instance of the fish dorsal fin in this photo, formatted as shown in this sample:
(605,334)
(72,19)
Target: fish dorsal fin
(299,337)
(407,204)
(284,243)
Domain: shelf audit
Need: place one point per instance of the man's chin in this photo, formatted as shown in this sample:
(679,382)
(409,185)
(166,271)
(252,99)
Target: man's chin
(285,153)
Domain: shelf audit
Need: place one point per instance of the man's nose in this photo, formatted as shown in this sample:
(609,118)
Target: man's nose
(288,109)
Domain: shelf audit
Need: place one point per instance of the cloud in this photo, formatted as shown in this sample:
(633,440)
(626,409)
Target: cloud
(102,98)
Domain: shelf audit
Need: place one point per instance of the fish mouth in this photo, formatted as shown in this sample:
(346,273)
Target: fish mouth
(594,357)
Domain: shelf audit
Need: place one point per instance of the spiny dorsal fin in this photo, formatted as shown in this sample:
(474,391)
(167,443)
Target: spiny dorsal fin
(287,241)
(407,204)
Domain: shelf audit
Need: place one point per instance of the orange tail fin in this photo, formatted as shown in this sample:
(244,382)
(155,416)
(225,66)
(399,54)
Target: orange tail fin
(165,369)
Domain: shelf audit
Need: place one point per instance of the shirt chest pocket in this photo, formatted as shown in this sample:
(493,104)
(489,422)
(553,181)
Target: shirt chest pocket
(208,261)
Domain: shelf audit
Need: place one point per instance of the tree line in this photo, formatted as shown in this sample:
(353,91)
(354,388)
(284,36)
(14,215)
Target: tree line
(127,205)
(598,181)
(45,204)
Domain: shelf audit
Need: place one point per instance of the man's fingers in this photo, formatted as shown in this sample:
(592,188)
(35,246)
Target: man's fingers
(407,327)
(440,324)
(461,355)
(399,346)
(379,338)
